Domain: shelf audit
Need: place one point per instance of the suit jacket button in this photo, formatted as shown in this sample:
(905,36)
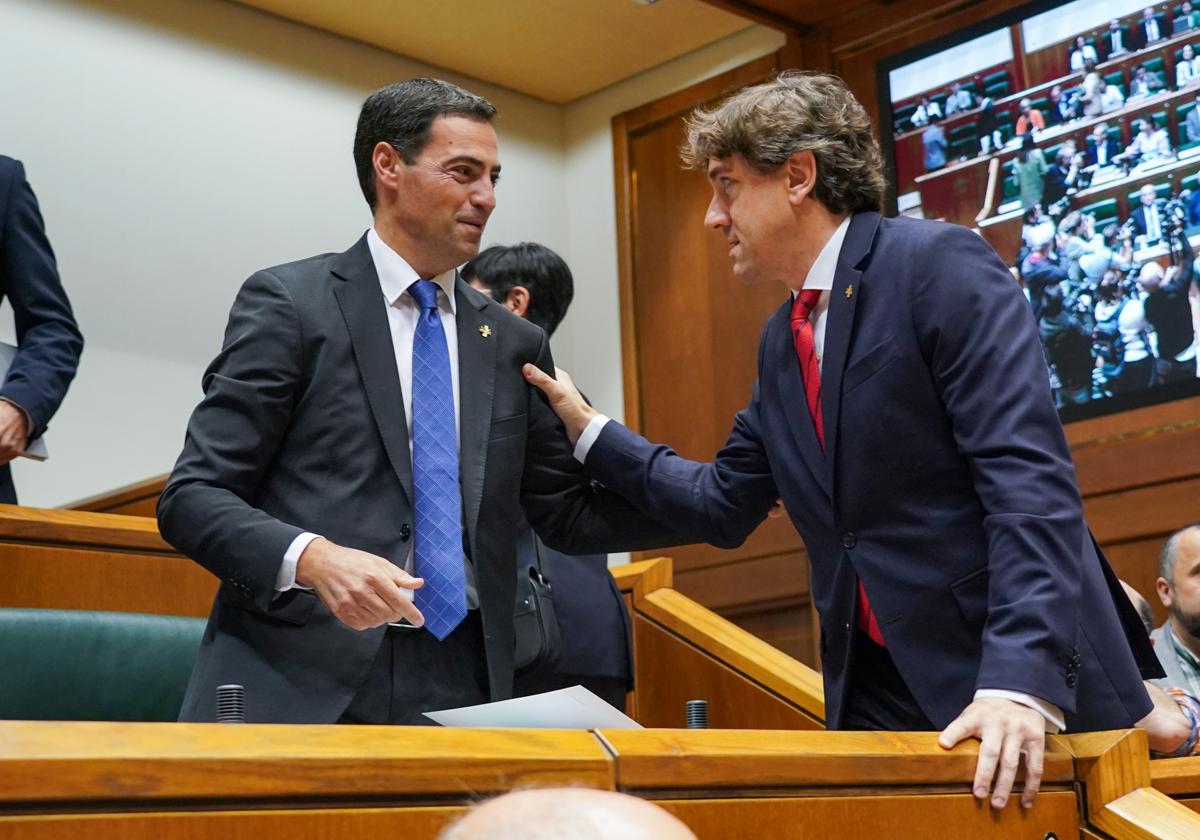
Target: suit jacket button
(1070,680)
(849,540)
(405,532)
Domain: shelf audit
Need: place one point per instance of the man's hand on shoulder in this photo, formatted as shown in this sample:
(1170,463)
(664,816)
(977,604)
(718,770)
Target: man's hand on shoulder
(14,431)
(363,590)
(565,399)
(1007,730)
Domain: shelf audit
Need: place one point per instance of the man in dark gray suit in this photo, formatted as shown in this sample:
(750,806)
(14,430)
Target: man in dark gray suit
(365,434)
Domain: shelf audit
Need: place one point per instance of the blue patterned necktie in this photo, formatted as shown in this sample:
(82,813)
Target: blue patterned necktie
(437,504)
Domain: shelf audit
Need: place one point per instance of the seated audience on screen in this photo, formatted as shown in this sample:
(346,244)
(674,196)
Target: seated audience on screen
(1081,50)
(988,128)
(1110,96)
(1061,108)
(1115,41)
(1144,83)
(1101,149)
(1124,336)
(1150,144)
(1191,126)
(1147,218)
(1089,90)
(1188,18)
(1029,169)
(1030,118)
(926,110)
(1169,313)
(958,100)
(1193,208)
(933,139)
(1187,69)
(567,814)
(1062,176)
(1151,29)
(1067,342)
(1177,642)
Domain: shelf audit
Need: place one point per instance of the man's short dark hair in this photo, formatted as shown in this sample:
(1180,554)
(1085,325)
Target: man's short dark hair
(502,268)
(401,115)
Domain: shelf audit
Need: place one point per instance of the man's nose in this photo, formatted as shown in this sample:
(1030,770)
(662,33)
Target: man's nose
(716,217)
(484,197)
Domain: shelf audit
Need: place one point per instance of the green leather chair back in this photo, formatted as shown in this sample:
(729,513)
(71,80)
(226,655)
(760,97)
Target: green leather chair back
(82,665)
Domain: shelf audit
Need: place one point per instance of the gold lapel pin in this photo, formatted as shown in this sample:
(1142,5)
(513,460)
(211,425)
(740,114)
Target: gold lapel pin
(849,291)
(485,331)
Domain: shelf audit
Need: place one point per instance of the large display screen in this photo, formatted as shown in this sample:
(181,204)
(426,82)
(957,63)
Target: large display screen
(1068,136)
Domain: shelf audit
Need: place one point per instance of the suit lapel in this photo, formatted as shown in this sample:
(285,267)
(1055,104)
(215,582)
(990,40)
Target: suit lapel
(791,391)
(476,388)
(839,324)
(362,304)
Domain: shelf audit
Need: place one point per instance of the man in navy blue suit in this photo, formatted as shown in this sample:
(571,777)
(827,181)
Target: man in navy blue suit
(903,414)
(48,340)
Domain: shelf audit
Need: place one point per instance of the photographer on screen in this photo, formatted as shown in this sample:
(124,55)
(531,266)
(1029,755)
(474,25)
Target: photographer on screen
(1168,310)
(1122,335)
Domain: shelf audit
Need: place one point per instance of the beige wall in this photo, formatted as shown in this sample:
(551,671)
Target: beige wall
(178,145)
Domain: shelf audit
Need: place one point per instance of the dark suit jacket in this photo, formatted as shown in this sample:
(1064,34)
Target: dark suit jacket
(947,485)
(590,611)
(48,340)
(1139,31)
(1104,42)
(302,428)
(1113,147)
(1139,220)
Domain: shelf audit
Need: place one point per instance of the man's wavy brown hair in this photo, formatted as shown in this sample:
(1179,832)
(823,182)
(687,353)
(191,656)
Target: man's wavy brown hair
(795,112)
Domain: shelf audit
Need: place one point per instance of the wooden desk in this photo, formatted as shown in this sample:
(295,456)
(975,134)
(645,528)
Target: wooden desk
(158,781)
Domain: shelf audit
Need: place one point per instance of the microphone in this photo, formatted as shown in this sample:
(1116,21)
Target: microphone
(697,714)
(231,704)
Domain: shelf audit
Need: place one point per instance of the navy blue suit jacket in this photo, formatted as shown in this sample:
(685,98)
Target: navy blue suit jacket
(590,611)
(946,485)
(48,339)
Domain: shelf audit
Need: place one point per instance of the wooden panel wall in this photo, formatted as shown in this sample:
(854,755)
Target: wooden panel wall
(689,332)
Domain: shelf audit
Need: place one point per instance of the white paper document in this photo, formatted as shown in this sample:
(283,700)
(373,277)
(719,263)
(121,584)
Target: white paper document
(567,708)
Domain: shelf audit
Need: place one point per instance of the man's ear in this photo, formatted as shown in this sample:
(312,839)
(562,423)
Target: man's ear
(801,172)
(518,300)
(1164,592)
(386,163)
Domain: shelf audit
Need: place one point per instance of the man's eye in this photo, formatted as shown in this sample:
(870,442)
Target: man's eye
(495,180)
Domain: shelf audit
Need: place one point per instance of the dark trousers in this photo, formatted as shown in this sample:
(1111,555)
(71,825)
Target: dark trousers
(414,673)
(611,690)
(877,698)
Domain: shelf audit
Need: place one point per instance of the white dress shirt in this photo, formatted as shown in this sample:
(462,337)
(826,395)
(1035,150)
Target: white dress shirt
(395,276)
(821,276)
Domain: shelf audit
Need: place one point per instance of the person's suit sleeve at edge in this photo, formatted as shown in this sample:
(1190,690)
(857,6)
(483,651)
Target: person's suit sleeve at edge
(721,502)
(250,390)
(571,513)
(48,339)
(977,333)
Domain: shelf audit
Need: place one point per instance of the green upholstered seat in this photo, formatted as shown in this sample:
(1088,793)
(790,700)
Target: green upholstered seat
(1104,211)
(83,665)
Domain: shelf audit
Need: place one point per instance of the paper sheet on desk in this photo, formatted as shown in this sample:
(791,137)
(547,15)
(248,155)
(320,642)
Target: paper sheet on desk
(567,708)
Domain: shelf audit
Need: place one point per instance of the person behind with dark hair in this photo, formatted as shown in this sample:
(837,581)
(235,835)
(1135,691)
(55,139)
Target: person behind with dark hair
(905,419)
(1169,314)
(358,467)
(532,281)
(1177,642)
(48,339)
(528,279)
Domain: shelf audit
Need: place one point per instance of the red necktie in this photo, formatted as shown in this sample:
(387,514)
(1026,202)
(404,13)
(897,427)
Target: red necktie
(810,371)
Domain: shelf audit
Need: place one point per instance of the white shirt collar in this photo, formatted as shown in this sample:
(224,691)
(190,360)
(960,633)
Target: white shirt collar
(396,275)
(820,276)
